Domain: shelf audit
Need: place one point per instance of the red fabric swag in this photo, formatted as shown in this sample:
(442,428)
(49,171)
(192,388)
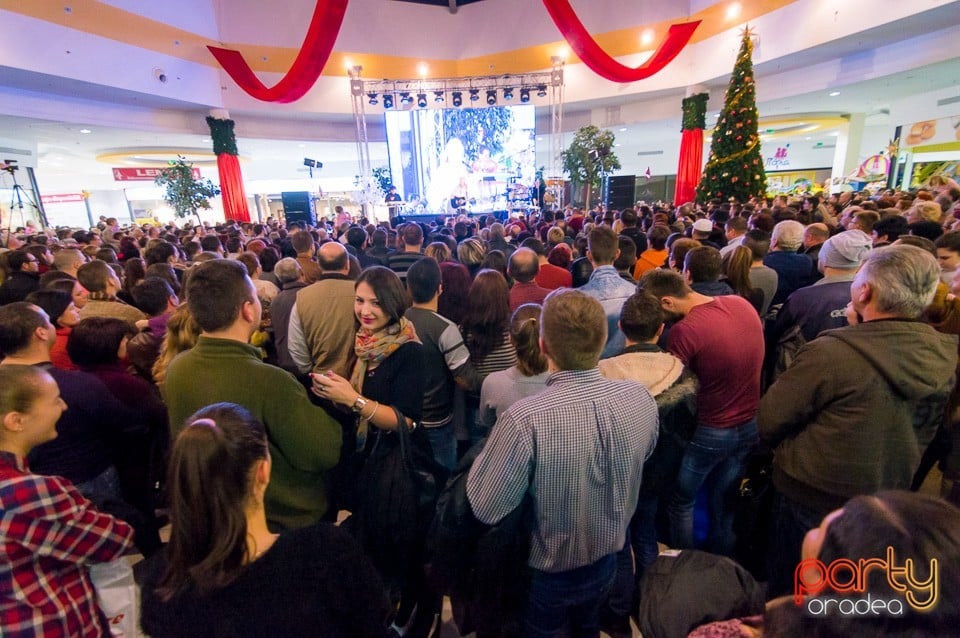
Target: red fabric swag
(232,194)
(313,56)
(690,166)
(600,61)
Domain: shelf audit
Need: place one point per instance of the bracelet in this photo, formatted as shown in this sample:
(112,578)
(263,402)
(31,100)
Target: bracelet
(373,412)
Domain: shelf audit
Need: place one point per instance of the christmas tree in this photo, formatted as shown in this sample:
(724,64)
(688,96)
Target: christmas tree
(735,166)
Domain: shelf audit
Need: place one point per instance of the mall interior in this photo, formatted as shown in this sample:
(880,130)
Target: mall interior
(88,87)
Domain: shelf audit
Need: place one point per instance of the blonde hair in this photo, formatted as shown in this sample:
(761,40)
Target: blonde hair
(182,334)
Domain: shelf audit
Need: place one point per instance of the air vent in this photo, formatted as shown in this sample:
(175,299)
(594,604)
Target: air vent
(16,151)
(649,153)
(820,148)
(948,100)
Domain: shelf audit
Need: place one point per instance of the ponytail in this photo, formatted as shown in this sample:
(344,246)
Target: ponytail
(525,334)
(210,481)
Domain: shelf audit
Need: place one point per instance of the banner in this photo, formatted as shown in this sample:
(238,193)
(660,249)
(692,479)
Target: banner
(145,174)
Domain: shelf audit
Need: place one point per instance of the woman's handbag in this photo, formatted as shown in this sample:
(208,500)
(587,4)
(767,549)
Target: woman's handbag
(398,489)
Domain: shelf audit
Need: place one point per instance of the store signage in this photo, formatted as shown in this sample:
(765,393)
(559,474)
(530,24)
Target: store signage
(145,174)
(66,198)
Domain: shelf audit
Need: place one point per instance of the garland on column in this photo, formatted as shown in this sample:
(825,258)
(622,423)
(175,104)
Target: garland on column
(735,167)
(233,195)
(691,148)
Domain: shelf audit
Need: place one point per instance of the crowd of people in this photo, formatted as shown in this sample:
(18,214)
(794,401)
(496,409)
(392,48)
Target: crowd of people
(590,381)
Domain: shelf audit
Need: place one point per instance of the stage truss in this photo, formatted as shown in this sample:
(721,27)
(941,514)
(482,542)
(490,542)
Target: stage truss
(410,94)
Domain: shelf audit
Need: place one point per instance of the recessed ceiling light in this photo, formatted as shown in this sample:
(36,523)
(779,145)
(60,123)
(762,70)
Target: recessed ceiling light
(302,145)
(85,130)
(617,144)
(716,115)
(623,128)
(808,138)
(646,37)
(833,93)
(733,10)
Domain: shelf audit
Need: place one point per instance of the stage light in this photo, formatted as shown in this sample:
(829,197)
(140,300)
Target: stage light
(524,95)
(508,93)
(405,98)
(373,98)
(542,90)
(438,97)
(387,101)
(421,100)
(491,97)
(474,95)
(457,98)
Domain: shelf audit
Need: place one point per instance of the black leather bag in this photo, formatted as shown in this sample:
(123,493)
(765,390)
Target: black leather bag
(398,489)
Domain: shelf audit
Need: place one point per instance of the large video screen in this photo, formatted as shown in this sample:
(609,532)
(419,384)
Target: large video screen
(443,160)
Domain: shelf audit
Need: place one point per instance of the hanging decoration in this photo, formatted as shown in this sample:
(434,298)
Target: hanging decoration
(233,195)
(691,148)
(321,36)
(603,64)
(735,167)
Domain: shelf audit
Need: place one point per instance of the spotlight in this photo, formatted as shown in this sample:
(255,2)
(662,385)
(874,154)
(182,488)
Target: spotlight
(508,93)
(491,98)
(387,101)
(524,95)
(438,97)
(457,98)
(421,100)
(474,95)
(405,98)
(542,90)
(373,98)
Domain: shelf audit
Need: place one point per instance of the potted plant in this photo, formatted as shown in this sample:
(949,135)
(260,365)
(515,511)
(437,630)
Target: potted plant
(185,193)
(589,159)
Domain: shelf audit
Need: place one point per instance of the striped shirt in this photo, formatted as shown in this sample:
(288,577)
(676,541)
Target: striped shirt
(578,448)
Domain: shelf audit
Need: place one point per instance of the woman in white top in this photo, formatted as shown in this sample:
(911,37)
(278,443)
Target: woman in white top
(528,377)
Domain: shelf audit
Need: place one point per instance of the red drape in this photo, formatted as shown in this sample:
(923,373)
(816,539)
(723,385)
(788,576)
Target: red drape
(231,188)
(600,61)
(321,36)
(690,167)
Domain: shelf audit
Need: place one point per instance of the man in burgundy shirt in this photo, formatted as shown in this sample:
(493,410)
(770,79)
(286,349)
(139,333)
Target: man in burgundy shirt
(721,340)
(550,277)
(523,269)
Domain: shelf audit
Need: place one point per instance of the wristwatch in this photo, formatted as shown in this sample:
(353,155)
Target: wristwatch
(359,405)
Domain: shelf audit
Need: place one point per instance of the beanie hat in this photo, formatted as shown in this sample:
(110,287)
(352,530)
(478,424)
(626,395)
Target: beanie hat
(703,226)
(845,250)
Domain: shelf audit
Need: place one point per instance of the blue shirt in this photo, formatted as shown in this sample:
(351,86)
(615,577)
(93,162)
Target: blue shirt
(611,290)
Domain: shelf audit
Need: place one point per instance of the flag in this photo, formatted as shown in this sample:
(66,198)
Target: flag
(648,173)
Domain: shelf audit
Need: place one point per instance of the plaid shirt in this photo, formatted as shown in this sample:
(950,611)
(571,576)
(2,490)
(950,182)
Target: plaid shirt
(48,530)
(578,447)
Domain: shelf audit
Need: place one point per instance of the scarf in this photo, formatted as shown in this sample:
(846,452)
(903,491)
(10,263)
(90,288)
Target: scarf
(374,349)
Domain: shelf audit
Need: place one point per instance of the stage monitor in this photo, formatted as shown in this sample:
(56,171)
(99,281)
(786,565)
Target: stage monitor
(480,159)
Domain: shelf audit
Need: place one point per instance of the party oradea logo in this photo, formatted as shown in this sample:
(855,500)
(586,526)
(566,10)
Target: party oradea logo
(841,587)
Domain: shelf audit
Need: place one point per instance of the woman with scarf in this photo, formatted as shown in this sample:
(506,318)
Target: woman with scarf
(388,374)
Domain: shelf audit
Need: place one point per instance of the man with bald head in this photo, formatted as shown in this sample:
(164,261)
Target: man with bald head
(523,268)
(321,330)
(813,237)
(68,260)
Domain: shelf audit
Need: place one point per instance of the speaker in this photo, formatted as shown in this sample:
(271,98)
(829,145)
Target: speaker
(620,191)
(298,207)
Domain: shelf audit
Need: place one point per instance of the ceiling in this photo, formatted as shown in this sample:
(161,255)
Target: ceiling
(889,60)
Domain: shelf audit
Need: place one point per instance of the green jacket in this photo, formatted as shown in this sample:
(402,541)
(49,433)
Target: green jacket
(304,439)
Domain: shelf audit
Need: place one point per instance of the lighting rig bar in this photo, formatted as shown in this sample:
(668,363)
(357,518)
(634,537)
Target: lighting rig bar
(457,92)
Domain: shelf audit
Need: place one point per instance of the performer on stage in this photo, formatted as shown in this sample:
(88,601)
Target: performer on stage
(392,196)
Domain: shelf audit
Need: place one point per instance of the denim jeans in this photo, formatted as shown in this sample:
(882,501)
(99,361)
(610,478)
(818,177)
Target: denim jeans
(638,553)
(568,603)
(715,457)
(443,442)
(103,488)
(790,522)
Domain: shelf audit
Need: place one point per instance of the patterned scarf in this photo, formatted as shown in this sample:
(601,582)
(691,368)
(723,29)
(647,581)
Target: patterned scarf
(374,349)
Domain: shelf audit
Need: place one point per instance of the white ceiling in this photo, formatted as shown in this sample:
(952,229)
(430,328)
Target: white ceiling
(894,72)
